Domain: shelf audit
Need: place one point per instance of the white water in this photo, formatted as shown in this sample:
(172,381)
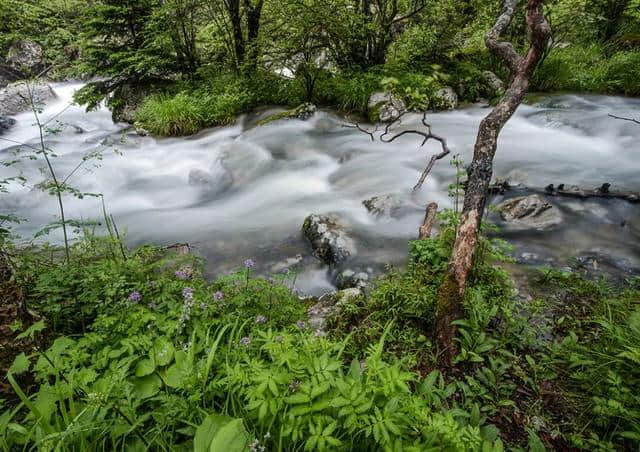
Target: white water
(287,170)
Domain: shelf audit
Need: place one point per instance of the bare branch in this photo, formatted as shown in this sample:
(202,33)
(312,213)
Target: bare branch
(426,136)
(625,119)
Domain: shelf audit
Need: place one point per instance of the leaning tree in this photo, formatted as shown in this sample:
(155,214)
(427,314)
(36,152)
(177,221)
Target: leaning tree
(521,68)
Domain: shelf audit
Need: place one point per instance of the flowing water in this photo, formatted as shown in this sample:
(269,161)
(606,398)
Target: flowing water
(254,186)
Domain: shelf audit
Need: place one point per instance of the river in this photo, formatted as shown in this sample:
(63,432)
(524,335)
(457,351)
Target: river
(257,184)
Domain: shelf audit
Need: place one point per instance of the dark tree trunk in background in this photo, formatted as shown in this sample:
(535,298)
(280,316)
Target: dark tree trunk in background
(521,68)
(254,13)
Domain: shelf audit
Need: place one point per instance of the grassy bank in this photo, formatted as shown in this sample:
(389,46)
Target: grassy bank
(138,351)
(217,99)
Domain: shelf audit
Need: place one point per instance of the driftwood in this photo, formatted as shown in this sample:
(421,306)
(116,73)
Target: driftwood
(573,191)
(429,221)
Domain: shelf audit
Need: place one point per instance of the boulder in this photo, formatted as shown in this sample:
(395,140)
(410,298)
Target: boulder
(6,124)
(329,240)
(529,212)
(301,112)
(446,99)
(352,279)
(304,111)
(385,107)
(125,100)
(14,98)
(26,58)
(325,306)
(494,84)
(385,206)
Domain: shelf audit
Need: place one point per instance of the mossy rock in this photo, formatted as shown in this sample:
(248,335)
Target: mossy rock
(302,112)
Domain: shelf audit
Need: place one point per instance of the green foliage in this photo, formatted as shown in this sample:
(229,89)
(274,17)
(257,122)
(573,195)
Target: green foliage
(598,356)
(588,69)
(171,116)
(170,361)
(218,101)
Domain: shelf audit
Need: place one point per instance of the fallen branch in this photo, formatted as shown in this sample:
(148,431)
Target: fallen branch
(604,191)
(426,136)
(625,119)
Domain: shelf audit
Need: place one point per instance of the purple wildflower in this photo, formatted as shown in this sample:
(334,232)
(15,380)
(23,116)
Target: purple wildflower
(286,271)
(184,273)
(245,341)
(300,324)
(218,295)
(249,263)
(187,294)
(261,319)
(135,296)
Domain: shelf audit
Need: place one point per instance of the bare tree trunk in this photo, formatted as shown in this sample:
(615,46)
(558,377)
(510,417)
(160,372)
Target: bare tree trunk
(521,68)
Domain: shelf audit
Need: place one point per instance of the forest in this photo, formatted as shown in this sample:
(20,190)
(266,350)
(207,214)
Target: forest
(319,225)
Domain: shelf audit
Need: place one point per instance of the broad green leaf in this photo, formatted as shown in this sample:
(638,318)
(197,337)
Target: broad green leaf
(144,367)
(219,433)
(20,364)
(147,386)
(163,351)
(32,330)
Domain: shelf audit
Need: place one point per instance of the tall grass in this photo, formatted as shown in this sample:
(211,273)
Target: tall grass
(590,69)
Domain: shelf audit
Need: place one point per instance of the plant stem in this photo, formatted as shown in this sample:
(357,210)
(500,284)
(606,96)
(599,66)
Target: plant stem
(43,148)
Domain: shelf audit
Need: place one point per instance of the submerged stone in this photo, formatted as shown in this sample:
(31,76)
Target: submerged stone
(329,239)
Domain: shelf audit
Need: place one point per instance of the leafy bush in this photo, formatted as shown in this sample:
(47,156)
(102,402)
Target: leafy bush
(173,362)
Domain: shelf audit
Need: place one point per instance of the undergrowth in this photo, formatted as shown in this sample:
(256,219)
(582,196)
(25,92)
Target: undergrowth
(146,354)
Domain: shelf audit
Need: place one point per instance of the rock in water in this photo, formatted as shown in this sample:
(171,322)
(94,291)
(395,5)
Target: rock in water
(385,107)
(14,98)
(446,98)
(301,112)
(384,206)
(351,279)
(6,124)
(529,212)
(305,111)
(326,305)
(329,239)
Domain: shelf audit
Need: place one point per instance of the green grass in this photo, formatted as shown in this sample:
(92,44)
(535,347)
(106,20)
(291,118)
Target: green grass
(589,69)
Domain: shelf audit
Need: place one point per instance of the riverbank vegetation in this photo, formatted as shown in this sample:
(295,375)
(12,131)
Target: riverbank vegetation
(106,347)
(187,64)
(138,351)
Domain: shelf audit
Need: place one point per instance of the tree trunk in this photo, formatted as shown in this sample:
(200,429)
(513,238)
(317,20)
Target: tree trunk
(452,290)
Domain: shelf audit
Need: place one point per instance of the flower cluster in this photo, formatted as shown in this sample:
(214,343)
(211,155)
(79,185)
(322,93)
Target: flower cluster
(187,295)
(218,296)
(300,324)
(135,296)
(261,319)
(249,263)
(245,341)
(184,273)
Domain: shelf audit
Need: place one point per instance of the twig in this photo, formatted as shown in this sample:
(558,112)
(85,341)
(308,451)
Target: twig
(428,135)
(625,119)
